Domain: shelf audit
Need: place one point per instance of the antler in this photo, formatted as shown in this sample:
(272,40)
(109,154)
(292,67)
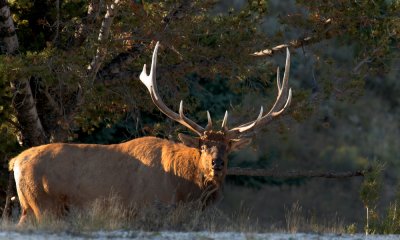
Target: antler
(150,82)
(282,102)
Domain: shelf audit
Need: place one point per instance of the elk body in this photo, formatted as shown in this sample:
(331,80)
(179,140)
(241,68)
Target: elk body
(55,177)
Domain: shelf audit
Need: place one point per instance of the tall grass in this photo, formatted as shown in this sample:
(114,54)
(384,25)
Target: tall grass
(110,214)
(299,221)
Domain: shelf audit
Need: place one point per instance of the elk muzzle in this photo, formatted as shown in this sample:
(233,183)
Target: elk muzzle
(217,165)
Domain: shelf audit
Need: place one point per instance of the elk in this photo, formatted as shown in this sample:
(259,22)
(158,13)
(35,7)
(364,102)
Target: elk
(54,177)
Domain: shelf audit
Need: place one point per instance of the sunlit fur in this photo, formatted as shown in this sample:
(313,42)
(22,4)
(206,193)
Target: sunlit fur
(213,145)
(55,177)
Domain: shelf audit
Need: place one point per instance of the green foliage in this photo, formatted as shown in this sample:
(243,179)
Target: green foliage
(199,36)
(345,104)
(8,129)
(387,223)
(5,95)
(370,194)
(372,26)
(390,224)
(371,186)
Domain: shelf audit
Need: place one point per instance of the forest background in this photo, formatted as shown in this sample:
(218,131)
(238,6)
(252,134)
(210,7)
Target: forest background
(69,73)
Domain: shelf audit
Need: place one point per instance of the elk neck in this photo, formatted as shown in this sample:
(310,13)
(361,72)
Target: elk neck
(186,164)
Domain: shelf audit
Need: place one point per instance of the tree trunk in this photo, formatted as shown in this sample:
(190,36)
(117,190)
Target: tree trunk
(7,30)
(84,28)
(9,45)
(101,52)
(10,192)
(32,132)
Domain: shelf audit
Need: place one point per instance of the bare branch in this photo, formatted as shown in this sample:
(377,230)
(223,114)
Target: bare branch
(55,39)
(368,59)
(51,101)
(297,43)
(294,174)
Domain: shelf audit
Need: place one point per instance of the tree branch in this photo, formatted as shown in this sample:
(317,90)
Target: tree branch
(14,124)
(94,66)
(114,69)
(294,174)
(55,39)
(176,13)
(368,59)
(87,23)
(297,43)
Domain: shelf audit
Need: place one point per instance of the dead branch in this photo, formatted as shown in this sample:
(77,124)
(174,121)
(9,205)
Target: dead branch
(294,174)
(368,59)
(297,43)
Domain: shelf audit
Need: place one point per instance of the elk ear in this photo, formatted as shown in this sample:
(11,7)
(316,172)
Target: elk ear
(189,141)
(237,144)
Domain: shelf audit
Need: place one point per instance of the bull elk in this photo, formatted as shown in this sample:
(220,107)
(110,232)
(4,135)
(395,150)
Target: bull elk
(57,176)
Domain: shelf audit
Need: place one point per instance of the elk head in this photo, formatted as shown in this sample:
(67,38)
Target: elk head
(215,145)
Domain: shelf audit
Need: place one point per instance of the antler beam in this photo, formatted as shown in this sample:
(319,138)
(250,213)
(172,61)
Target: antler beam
(282,102)
(150,82)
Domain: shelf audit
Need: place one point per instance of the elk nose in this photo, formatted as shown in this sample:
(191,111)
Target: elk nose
(217,164)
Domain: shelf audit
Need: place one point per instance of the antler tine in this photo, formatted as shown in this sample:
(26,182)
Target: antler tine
(278,79)
(209,124)
(150,82)
(281,103)
(225,121)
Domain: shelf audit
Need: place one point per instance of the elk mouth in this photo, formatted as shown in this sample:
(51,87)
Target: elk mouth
(218,168)
(218,172)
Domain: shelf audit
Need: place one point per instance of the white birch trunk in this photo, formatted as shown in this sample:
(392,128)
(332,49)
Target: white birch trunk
(104,33)
(7,29)
(87,23)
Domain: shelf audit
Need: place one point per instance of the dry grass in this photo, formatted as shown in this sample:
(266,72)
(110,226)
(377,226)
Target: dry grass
(110,215)
(298,221)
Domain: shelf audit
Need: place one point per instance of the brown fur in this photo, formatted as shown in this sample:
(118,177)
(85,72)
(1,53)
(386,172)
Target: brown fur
(54,177)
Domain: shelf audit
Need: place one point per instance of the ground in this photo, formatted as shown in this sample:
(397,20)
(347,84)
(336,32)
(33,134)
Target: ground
(34,235)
